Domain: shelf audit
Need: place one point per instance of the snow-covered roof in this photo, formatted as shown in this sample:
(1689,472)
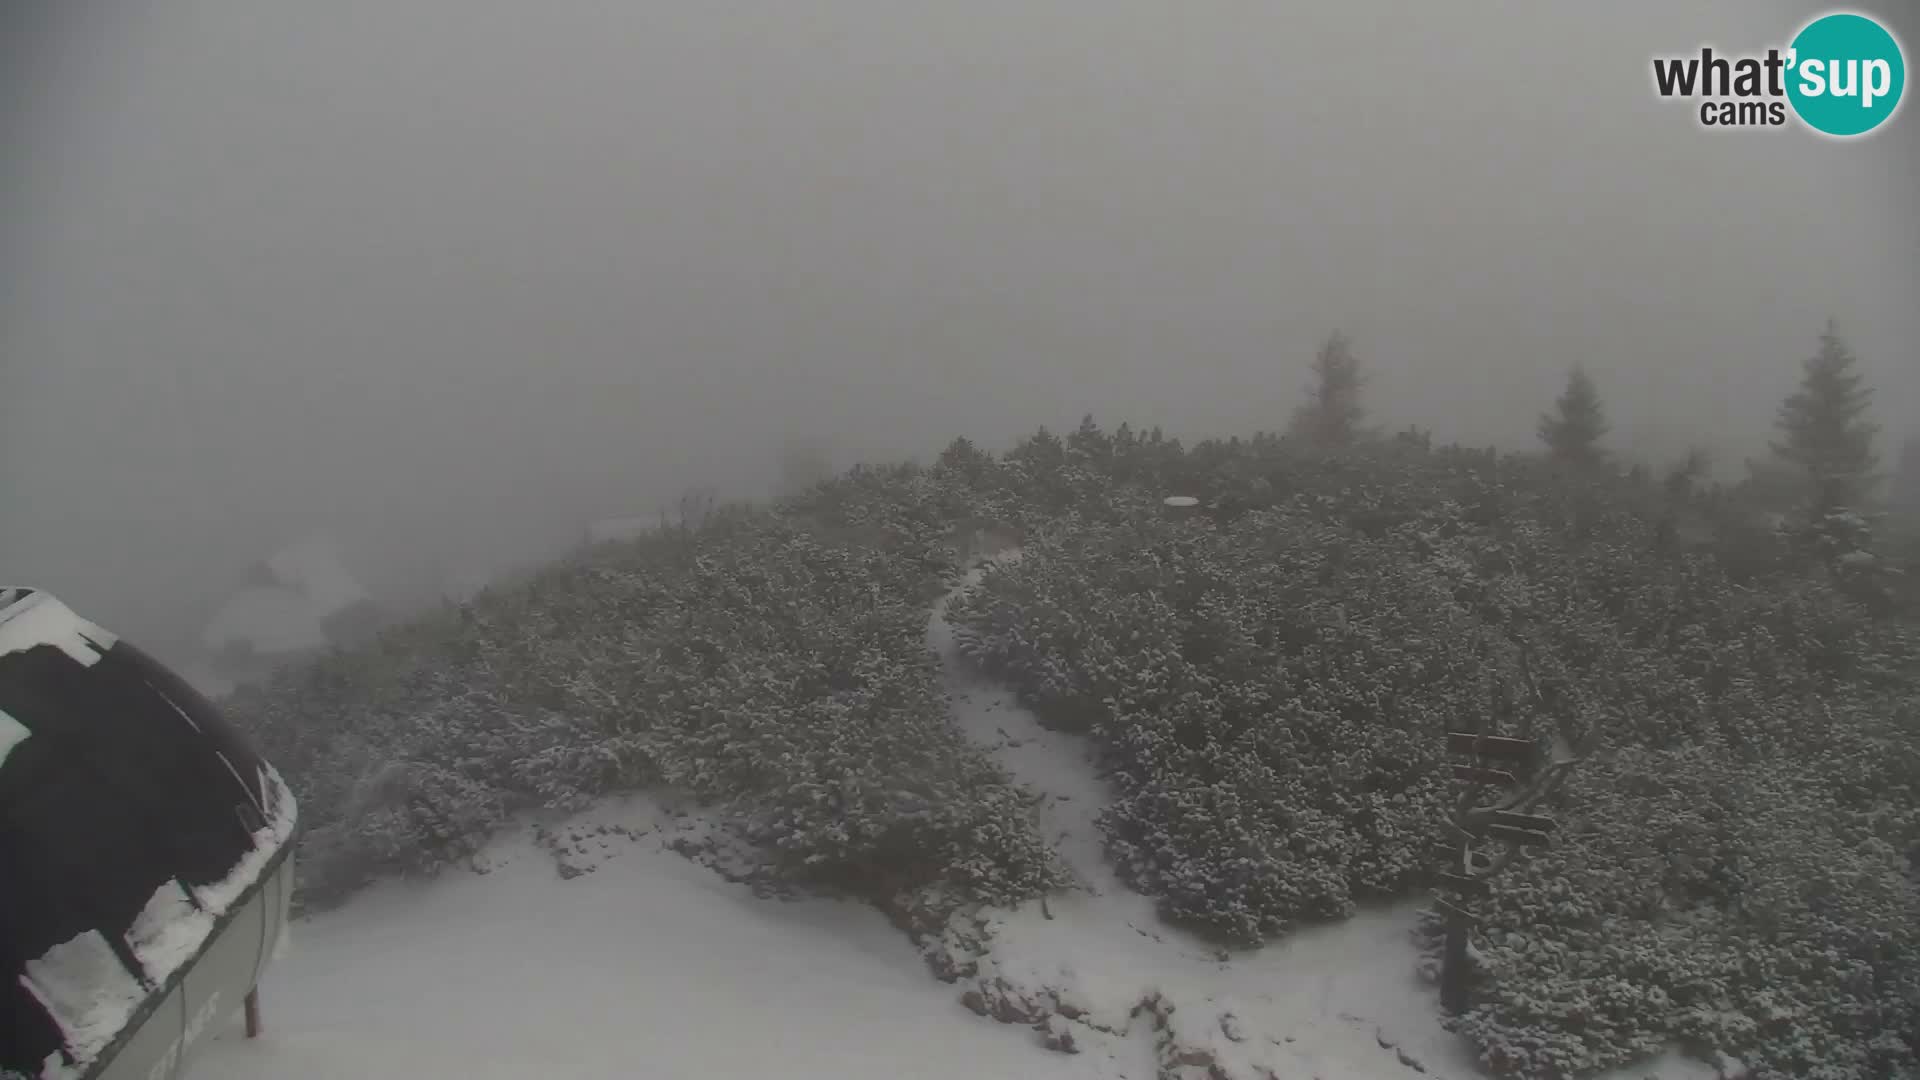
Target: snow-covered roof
(157,771)
(314,568)
(266,619)
(32,618)
(81,982)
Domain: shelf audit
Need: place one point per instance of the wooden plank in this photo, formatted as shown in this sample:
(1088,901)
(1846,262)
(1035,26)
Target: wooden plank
(1490,746)
(1452,857)
(1454,852)
(1533,822)
(1477,775)
(1471,886)
(1453,909)
(1511,835)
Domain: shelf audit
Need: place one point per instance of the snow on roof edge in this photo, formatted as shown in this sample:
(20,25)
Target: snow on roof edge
(84,989)
(282,815)
(82,985)
(38,618)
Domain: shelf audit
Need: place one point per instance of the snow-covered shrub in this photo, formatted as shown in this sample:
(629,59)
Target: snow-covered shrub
(1269,694)
(1711,902)
(1267,685)
(774,663)
(1258,722)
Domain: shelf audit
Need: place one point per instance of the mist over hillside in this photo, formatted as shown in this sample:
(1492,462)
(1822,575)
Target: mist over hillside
(1246,540)
(450,280)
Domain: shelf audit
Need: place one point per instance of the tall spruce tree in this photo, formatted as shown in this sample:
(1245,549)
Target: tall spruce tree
(1331,416)
(1826,437)
(1088,443)
(1572,431)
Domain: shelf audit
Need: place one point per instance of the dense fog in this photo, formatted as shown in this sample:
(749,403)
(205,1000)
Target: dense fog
(448,280)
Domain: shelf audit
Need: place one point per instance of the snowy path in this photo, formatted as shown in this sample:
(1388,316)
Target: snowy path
(1338,1002)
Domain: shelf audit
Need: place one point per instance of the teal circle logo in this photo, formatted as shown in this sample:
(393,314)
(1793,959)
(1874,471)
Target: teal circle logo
(1845,75)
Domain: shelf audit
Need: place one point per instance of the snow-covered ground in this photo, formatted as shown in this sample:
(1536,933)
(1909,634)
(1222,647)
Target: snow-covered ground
(647,965)
(605,953)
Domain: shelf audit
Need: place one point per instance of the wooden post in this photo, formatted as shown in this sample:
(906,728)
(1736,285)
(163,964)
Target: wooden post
(1465,877)
(253,1012)
(1505,820)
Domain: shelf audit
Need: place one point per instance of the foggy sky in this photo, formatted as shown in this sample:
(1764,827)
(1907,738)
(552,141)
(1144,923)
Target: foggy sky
(449,277)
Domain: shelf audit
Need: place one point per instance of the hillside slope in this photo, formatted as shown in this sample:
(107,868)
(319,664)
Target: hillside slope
(596,949)
(1266,687)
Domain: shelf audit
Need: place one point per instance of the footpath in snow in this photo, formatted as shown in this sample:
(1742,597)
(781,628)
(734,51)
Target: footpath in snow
(1099,970)
(1336,1002)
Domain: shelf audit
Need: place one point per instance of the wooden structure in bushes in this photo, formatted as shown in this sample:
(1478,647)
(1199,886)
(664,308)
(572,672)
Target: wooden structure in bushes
(1483,837)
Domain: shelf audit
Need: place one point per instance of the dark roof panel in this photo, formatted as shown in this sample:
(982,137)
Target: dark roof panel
(117,781)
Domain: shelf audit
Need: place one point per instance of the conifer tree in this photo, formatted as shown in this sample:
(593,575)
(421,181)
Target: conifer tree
(1826,437)
(1573,430)
(963,458)
(1088,442)
(1331,416)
